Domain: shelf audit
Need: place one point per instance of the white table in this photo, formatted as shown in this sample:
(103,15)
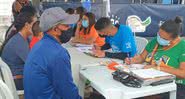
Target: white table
(78,59)
(101,79)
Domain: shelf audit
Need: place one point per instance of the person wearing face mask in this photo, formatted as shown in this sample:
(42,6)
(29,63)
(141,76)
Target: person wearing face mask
(166,52)
(47,72)
(16,49)
(81,11)
(118,37)
(86,33)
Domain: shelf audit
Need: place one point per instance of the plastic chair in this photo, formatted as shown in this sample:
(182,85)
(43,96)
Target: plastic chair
(141,43)
(167,1)
(5,92)
(8,79)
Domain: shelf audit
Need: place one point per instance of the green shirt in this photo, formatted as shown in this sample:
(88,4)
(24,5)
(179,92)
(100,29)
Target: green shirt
(171,57)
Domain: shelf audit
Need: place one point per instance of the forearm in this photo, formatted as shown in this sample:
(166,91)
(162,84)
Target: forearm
(81,40)
(138,59)
(179,73)
(120,55)
(77,32)
(87,41)
(106,46)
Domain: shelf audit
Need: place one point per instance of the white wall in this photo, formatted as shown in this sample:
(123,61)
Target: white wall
(6,7)
(5,12)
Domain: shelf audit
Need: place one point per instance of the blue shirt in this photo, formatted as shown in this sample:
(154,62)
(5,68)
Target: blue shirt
(122,41)
(15,53)
(47,72)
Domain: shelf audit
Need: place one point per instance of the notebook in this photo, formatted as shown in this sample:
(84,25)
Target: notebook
(149,73)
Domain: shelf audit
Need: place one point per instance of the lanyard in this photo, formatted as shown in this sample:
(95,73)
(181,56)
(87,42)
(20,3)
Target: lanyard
(175,42)
(153,53)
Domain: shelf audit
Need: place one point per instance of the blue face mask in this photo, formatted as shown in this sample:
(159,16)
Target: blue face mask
(162,41)
(72,25)
(85,23)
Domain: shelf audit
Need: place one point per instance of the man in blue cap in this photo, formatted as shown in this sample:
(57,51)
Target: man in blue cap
(47,72)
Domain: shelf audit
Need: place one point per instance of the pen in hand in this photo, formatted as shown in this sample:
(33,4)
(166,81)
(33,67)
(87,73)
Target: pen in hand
(129,58)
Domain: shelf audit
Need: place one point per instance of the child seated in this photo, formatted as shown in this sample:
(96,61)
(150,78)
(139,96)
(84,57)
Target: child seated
(37,34)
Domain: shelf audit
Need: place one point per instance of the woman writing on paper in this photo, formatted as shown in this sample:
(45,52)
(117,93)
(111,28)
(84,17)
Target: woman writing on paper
(86,33)
(166,52)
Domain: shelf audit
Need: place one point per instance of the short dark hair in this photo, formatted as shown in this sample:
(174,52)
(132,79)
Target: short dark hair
(173,27)
(81,11)
(36,28)
(70,11)
(21,20)
(102,23)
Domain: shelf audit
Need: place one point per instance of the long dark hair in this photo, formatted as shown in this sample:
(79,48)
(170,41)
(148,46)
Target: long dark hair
(19,24)
(92,21)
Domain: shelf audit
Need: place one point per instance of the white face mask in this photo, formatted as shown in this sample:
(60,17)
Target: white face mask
(162,41)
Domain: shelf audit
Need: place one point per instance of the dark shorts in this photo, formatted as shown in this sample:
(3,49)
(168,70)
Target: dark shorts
(19,84)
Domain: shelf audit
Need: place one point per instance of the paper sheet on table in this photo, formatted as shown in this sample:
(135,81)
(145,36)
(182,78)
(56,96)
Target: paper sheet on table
(83,45)
(85,49)
(149,73)
(137,66)
(125,67)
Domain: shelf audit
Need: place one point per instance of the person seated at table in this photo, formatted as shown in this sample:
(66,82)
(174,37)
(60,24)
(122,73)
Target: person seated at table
(70,11)
(71,31)
(118,37)
(12,30)
(81,11)
(166,52)
(86,33)
(47,72)
(37,34)
(16,49)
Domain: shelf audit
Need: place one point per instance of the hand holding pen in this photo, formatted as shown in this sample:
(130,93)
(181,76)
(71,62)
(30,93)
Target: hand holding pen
(128,60)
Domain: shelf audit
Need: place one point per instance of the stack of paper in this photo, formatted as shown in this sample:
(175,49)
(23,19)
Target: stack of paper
(149,73)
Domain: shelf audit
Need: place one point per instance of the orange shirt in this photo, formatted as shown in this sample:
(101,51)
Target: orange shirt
(34,40)
(99,41)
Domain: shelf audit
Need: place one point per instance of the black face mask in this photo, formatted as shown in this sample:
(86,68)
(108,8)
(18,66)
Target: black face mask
(66,35)
(103,36)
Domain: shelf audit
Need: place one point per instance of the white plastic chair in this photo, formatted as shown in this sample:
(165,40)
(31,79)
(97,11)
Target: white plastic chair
(141,43)
(8,79)
(5,92)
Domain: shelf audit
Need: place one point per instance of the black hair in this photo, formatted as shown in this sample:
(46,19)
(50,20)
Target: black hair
(81,11)
(173,27)
(22,19)
(25,9)
(29,9)
(102,23)
(36,28)
(19,23)
(91,20)
(70,11)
